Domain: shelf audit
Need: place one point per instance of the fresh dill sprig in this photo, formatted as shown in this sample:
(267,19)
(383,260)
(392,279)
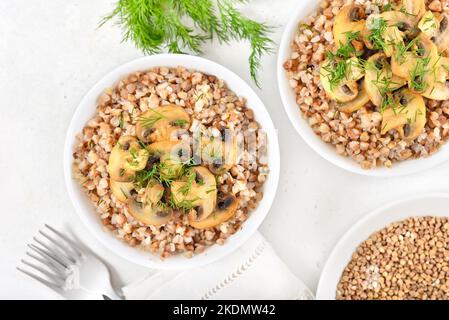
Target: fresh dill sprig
(190,178)
(185,205)
(149,122)
(402,48)
(185,25)
(376,36)
(343,60)
(418,73)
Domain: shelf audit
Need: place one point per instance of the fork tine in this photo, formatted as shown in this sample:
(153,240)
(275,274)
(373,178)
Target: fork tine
(44,254)
(47,283)
(50,275)
(51,264)
(73,245)
(57,253)
(67,250)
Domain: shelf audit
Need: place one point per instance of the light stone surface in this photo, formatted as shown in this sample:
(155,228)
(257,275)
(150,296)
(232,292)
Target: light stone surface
(51,53)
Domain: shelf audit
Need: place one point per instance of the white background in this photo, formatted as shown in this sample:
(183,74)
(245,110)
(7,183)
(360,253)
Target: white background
(51,53)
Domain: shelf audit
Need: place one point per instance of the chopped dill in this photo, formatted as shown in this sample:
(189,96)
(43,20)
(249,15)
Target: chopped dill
(149,122)
(418,73)
(378,29)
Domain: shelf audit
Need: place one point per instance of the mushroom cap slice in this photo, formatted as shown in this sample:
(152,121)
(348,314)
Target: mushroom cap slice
(347,89)
(414,8)
(149,211)
(438,81)
(172,156)
(162,123)
(121,190)
(441,40)
(226,207)
(127,157)
(408,117)
(358,103)
(219,155)
(393,37)
(200,192)
(379,79)
(429,24)
(351,18)
(403,64)
(394,26)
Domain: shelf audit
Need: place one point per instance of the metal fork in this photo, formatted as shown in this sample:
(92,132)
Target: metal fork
(60,264)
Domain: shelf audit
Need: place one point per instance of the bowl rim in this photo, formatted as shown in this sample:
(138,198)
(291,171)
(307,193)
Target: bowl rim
(325,150)
(336,258)
(144,258)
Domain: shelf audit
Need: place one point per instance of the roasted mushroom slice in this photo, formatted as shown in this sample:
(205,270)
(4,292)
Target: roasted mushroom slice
(341,87)
(127,157)
(437,82)
(415,9)
(379,79)
(162,123)
(405,63)
(441,40)
(386,30)
(217,154)
(350,19)
(429,25)
(358,103)
(198,192)
(172,156)
(122,190)
(226,207)
(149,210)
(407,115)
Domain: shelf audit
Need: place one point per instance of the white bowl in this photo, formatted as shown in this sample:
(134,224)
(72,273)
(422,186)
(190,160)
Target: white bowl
(426,205)
(327,151)
(84,207)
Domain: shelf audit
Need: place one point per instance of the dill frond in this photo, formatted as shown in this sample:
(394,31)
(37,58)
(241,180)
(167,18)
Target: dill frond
(153,25)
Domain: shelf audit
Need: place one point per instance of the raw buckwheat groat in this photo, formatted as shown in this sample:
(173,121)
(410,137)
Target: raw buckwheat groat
(406,260)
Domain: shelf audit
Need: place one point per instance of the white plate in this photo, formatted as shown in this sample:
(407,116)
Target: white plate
(327,151)
(426,205)
(84,207)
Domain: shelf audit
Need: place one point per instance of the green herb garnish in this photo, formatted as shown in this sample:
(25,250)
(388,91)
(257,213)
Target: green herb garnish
(181,25)
(149,122)
(378,29)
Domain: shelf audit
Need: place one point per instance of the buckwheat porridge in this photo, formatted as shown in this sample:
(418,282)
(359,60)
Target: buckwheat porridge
(173,161)
(371,77)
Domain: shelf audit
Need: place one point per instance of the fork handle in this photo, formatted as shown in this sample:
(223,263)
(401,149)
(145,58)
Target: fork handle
(111,295)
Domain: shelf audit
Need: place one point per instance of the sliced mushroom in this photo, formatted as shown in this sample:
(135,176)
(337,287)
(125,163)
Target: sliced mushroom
(162,123)
(172,155)
(226,207)
(201,193)
(149,211)
(351,18)
(379,79)
(403,63)
(429,25)
(358,103)
(438,81)
(408,115)
(122,190)
(347,89)
(441,40)
(395,27)
(127,157)
(217,154)
(414,8)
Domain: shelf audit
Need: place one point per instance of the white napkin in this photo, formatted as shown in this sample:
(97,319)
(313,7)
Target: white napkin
(253,272)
